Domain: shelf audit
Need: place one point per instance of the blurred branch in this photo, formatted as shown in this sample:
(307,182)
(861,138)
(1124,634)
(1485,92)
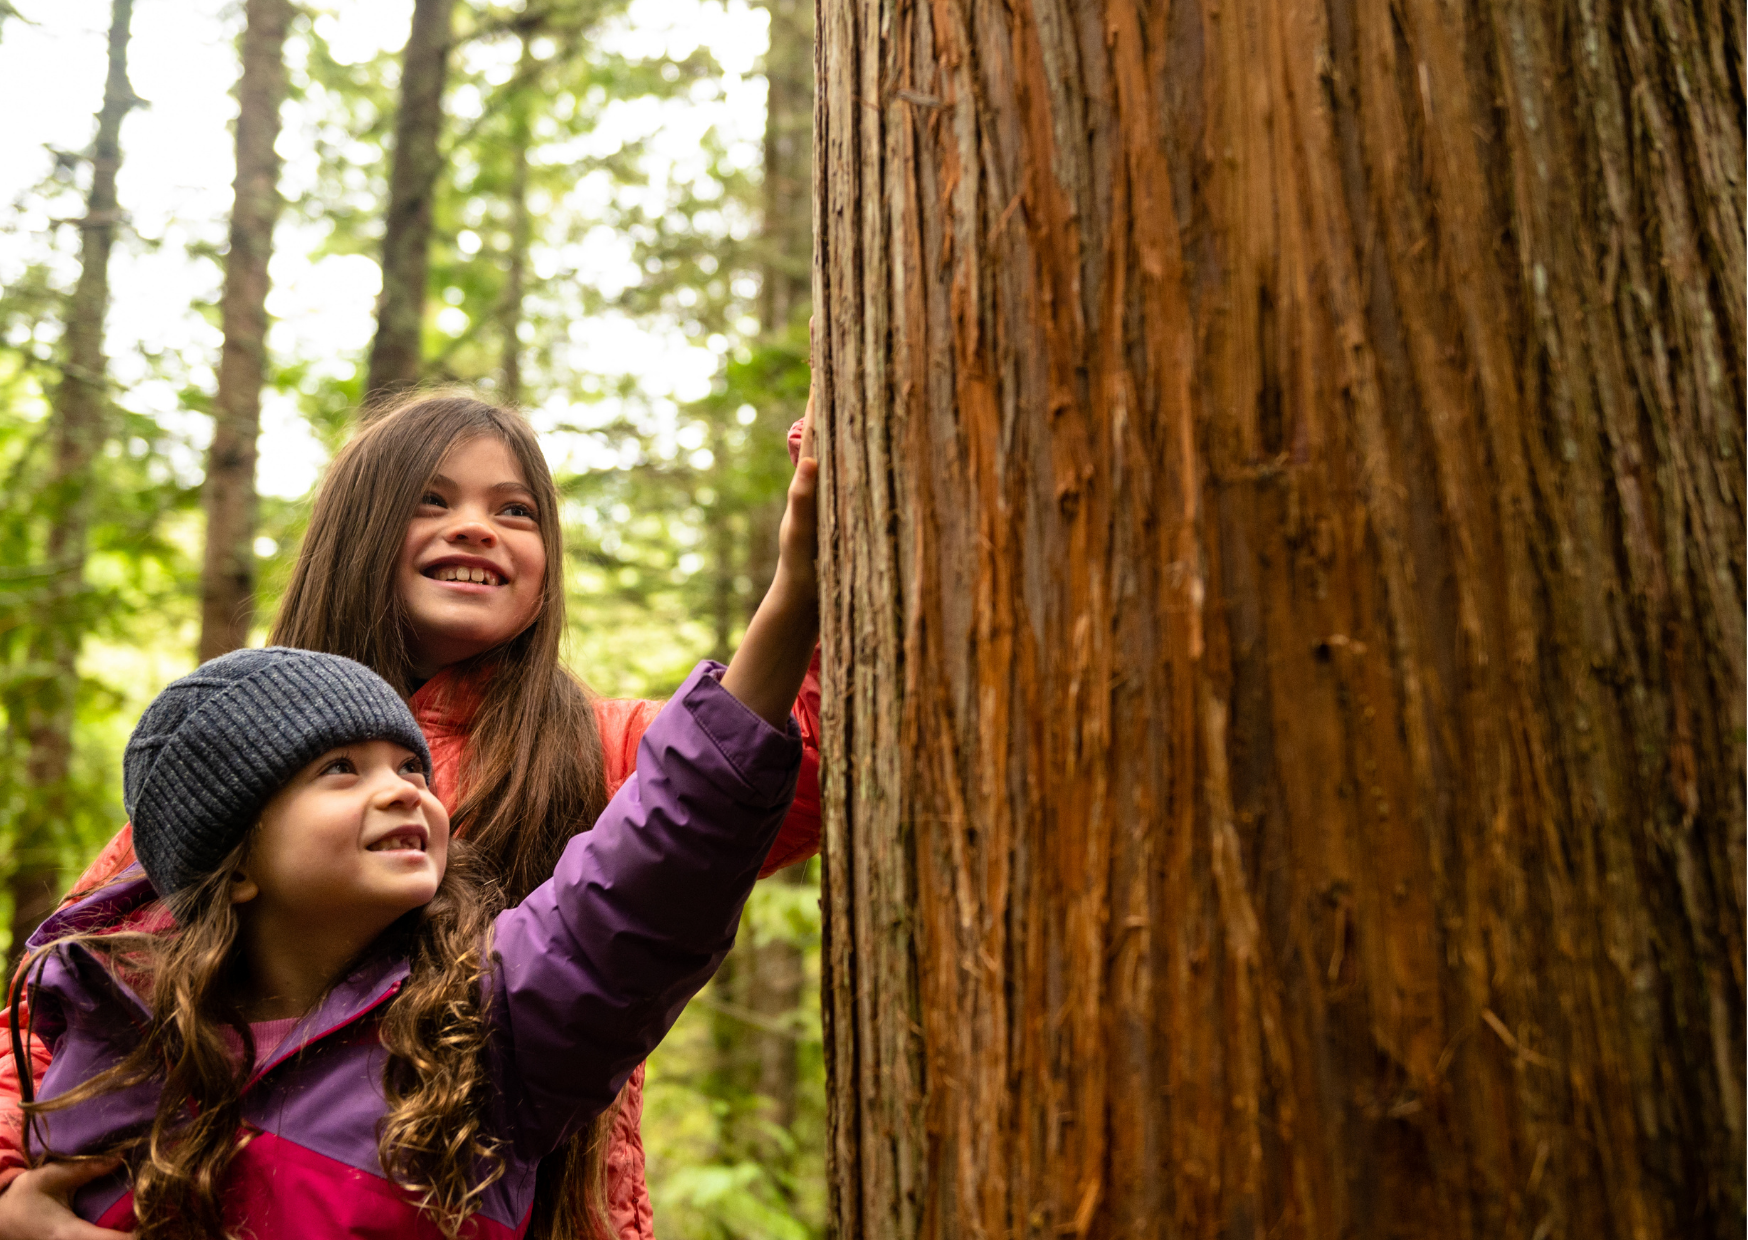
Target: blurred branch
(758,1020)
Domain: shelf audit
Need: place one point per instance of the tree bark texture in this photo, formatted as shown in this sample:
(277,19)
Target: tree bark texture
(227,580)
(1283,617)
(406,239)
(80,423)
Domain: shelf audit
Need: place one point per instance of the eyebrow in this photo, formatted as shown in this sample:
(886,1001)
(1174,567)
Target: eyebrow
(497,488)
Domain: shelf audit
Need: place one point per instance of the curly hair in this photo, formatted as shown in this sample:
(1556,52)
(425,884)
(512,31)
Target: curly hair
(431,1142)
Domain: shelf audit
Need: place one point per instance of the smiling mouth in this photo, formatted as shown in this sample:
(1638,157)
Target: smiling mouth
(462,572)
(404,841)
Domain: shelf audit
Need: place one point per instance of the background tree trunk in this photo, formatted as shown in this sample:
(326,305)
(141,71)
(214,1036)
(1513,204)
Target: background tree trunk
(227,584)
(1283,617)
(758,992)
(787,242)
(406,239)
(521,226)
(80,426)
(776,970)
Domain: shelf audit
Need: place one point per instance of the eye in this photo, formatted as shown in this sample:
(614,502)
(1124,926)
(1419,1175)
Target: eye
(339,766)
(413,769)
(430,499)
(517,508)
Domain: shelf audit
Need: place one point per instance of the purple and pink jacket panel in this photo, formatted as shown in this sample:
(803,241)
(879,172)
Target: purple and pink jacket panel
(590,972)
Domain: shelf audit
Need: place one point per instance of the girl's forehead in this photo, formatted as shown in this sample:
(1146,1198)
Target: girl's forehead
(482,459)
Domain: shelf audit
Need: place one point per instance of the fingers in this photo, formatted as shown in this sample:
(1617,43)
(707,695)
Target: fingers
(807,453)
(806,481)
(34,1206)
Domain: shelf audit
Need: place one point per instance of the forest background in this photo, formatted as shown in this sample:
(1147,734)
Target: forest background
(619,241)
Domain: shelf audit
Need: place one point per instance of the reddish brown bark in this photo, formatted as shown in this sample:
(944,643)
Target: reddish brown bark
(227,581)
(79,426)
(395,351)
(1283,617)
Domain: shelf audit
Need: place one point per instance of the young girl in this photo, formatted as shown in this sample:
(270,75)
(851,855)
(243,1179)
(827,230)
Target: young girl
(441,488)
(336,1038)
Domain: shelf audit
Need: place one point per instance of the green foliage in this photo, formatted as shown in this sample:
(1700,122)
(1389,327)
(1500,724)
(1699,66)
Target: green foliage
(720,1167)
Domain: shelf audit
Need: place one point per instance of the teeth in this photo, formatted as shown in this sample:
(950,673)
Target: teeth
(396,842)
(457,572)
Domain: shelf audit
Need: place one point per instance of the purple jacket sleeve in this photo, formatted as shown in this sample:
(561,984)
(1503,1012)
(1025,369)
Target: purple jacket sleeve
(596,964)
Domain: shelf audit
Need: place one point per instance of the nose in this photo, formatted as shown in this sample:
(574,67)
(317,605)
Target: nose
(470,529)
(397,792)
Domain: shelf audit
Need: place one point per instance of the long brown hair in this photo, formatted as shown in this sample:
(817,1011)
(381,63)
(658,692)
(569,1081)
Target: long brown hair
(431,1142)
(534,772)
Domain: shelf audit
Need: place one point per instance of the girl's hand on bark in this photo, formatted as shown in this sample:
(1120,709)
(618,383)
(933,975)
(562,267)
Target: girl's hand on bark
(798,536)
(767,670)
(34,1206)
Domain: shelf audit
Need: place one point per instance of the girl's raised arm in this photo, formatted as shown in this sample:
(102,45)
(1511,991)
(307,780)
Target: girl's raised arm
(597,963)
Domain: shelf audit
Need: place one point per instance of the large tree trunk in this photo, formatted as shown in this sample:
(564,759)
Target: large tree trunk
(406,239)
(227,581)
(1283,613)
(79,427)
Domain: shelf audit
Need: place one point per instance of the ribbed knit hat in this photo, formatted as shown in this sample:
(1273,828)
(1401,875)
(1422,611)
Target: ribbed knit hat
(214,747)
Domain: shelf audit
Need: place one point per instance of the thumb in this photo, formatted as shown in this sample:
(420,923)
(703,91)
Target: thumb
(62,1179)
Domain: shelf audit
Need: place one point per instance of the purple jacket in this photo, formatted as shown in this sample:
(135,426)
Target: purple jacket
(592,969)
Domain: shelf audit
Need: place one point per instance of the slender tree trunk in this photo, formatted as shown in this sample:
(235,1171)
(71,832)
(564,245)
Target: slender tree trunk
(521,229)
(788,226)
(80,415)
(1283,617)
(774,967)
(227,584)
(774,991)
(406,240)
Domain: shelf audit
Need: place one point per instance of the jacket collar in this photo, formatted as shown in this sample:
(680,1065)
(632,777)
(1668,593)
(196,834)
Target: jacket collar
(76,976)
(103,906)
(447,703)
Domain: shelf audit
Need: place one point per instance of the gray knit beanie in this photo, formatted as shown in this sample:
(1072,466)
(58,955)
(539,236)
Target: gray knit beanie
(214,747)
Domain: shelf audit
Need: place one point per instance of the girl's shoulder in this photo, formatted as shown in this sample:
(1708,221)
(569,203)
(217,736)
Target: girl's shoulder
(622,722)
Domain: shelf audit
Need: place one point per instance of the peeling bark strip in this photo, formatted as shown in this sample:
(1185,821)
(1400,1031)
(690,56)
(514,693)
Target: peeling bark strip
(227,580)
(1283,617)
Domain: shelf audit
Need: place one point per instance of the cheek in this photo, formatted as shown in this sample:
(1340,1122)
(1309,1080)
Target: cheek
(531,565)
(404,572)
(437,818)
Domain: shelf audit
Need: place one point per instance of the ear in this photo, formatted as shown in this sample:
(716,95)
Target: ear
(243,888)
